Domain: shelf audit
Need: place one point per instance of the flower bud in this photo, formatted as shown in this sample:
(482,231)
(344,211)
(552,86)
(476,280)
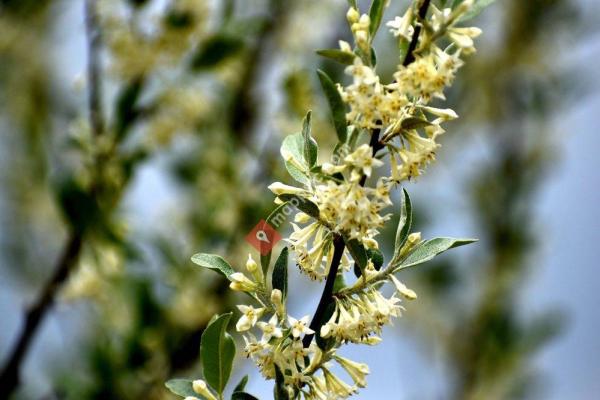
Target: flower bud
(352,15)
(241,283)
(279,188)
(277,300)
(201,388)
(251,265)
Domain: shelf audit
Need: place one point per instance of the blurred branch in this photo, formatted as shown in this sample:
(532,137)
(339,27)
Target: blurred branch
(244,109)
(93,68)
(9,377)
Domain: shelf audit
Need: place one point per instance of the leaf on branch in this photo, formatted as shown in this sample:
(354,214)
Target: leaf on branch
(214,262)
(476,9)
(343,57)
(280,272)
(310,146)
(430,248)
(414,123)
(404,224)
(241,384)
(292,150)
(358,254)
(375,14)
(302,204)
(183,388)
(337,106)
(217,351)
(376,257)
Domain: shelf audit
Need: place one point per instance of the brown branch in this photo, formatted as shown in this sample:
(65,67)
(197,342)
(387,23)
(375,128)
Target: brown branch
(327,295)
(9,378)
(410,56)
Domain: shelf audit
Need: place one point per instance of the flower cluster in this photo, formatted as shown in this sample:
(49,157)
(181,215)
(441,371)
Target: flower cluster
(393,108)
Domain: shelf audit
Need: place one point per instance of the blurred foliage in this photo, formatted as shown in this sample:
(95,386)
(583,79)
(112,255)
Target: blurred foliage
(203,93)
(474,311)
(183,90)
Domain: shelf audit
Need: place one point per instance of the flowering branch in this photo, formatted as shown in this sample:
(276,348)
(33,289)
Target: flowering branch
(340,215)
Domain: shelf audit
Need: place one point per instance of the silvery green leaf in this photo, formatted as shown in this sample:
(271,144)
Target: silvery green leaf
(404,224)
(414,123)
(293,146)
(476,9)
(428,249)
(183,388)
(343,57)
(217,351)
(375,14)
(214,262)
(337,106)
(280,277)
(310,147)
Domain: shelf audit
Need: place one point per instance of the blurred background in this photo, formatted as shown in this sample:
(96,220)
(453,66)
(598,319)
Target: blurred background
(135,133)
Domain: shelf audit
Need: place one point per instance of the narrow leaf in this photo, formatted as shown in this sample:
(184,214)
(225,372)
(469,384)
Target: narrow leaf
(337,106)
(358,253)
(375,14)
(182,387)
(280,276)
(241,384)
(214,262)
(217,351)
(302,204)
(292,150)
(343,57)
(404,224)
(310,148)
(431,248)
(414,123)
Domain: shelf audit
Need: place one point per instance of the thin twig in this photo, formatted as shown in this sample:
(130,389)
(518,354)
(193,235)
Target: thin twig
(410,56)
(94,68)
(9,379)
